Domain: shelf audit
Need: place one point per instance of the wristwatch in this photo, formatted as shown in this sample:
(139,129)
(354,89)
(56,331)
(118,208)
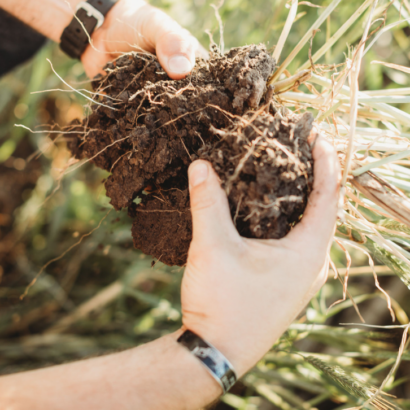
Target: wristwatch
(89,16)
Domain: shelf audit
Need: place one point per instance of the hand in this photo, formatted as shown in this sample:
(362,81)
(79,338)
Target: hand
(241,294)
(131,25)
(134,25)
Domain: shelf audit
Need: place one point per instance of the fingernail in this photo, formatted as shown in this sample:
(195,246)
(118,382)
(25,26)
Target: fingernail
(179,65)
(198,173)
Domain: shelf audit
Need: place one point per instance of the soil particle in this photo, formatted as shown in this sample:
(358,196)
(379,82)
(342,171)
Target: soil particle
(163,226)
(264,163)
(151,128)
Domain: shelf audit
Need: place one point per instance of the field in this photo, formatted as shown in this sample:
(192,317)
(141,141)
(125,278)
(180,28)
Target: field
(73,286)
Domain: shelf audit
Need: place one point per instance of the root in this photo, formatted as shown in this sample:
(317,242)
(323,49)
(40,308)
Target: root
(376,281)
(118,159)
(61,256)
(237,210)
(221,27)
(158,210)
(348,265)
(82,89)
(241,164)
(78,92)
(175,122)
(96,155)
(337,275)
(138,75)
(181,116)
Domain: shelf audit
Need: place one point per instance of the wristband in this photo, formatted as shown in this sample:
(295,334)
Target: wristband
(215,362)
(88,16)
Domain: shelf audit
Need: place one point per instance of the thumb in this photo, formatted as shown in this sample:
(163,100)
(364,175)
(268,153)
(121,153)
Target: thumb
(134,25)
(175,49)
(318,223)
(211,218)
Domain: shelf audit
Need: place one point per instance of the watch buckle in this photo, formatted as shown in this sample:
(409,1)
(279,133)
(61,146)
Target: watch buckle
(91,12)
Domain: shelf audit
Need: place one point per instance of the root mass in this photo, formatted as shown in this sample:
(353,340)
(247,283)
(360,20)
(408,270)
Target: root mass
(218,113)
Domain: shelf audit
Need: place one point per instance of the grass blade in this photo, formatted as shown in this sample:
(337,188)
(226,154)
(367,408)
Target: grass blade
(354,95)
(304,39)
(339,33)
(387,160)
(285,32)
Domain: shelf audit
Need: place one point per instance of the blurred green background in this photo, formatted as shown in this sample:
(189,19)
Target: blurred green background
(103,295)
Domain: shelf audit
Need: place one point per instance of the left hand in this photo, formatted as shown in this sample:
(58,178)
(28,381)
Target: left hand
(134,25)
(241,294)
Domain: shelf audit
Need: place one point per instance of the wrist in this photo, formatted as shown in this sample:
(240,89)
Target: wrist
(88,31)
(48,17)
(197,374)
(59,14)
(232,347)
(214,361)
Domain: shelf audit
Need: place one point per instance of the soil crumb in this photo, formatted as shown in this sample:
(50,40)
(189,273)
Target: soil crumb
(147,129)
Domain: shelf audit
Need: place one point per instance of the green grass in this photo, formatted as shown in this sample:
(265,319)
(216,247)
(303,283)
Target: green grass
(103,295)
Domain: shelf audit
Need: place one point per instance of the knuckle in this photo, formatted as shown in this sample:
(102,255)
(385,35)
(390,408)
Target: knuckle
(174,34)
(324,148)
(202,200)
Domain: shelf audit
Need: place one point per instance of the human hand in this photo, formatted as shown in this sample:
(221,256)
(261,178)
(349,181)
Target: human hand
(241,294)
(134,25)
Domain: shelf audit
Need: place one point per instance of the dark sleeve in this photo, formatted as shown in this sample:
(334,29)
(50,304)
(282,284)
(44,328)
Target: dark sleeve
(18,42)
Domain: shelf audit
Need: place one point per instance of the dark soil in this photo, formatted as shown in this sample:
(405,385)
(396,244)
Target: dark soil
(152,128)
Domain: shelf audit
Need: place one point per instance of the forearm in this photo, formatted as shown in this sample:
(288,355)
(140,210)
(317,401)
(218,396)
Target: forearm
(159,375)
(48,17)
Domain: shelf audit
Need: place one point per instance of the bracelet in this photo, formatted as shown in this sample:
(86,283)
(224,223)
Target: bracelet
(215,362)
(88,16)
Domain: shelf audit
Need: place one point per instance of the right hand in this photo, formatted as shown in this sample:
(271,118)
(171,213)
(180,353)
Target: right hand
(241,294)
(134,25)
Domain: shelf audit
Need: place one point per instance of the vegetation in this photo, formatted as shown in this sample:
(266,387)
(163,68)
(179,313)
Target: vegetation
(73,286)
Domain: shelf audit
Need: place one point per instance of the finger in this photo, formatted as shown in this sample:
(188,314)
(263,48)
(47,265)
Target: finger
(211,218)
(319,218)
(95,56)
(119,34)
(133,25)
(175,47)
(175,50)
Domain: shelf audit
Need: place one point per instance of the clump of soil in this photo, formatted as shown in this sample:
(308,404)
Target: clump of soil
(151,128)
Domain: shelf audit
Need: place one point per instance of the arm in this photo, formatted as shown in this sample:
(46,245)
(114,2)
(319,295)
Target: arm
(131,25)
(48,17)
(159,375)
(238,294)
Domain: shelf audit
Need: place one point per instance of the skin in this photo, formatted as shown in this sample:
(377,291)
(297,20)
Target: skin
(131,25)
(241,294)
(238,294)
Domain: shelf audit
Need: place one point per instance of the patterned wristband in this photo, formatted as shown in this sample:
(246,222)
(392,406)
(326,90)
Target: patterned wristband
(216,363)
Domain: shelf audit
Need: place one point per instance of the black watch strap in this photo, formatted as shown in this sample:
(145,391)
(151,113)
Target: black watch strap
(74,39)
